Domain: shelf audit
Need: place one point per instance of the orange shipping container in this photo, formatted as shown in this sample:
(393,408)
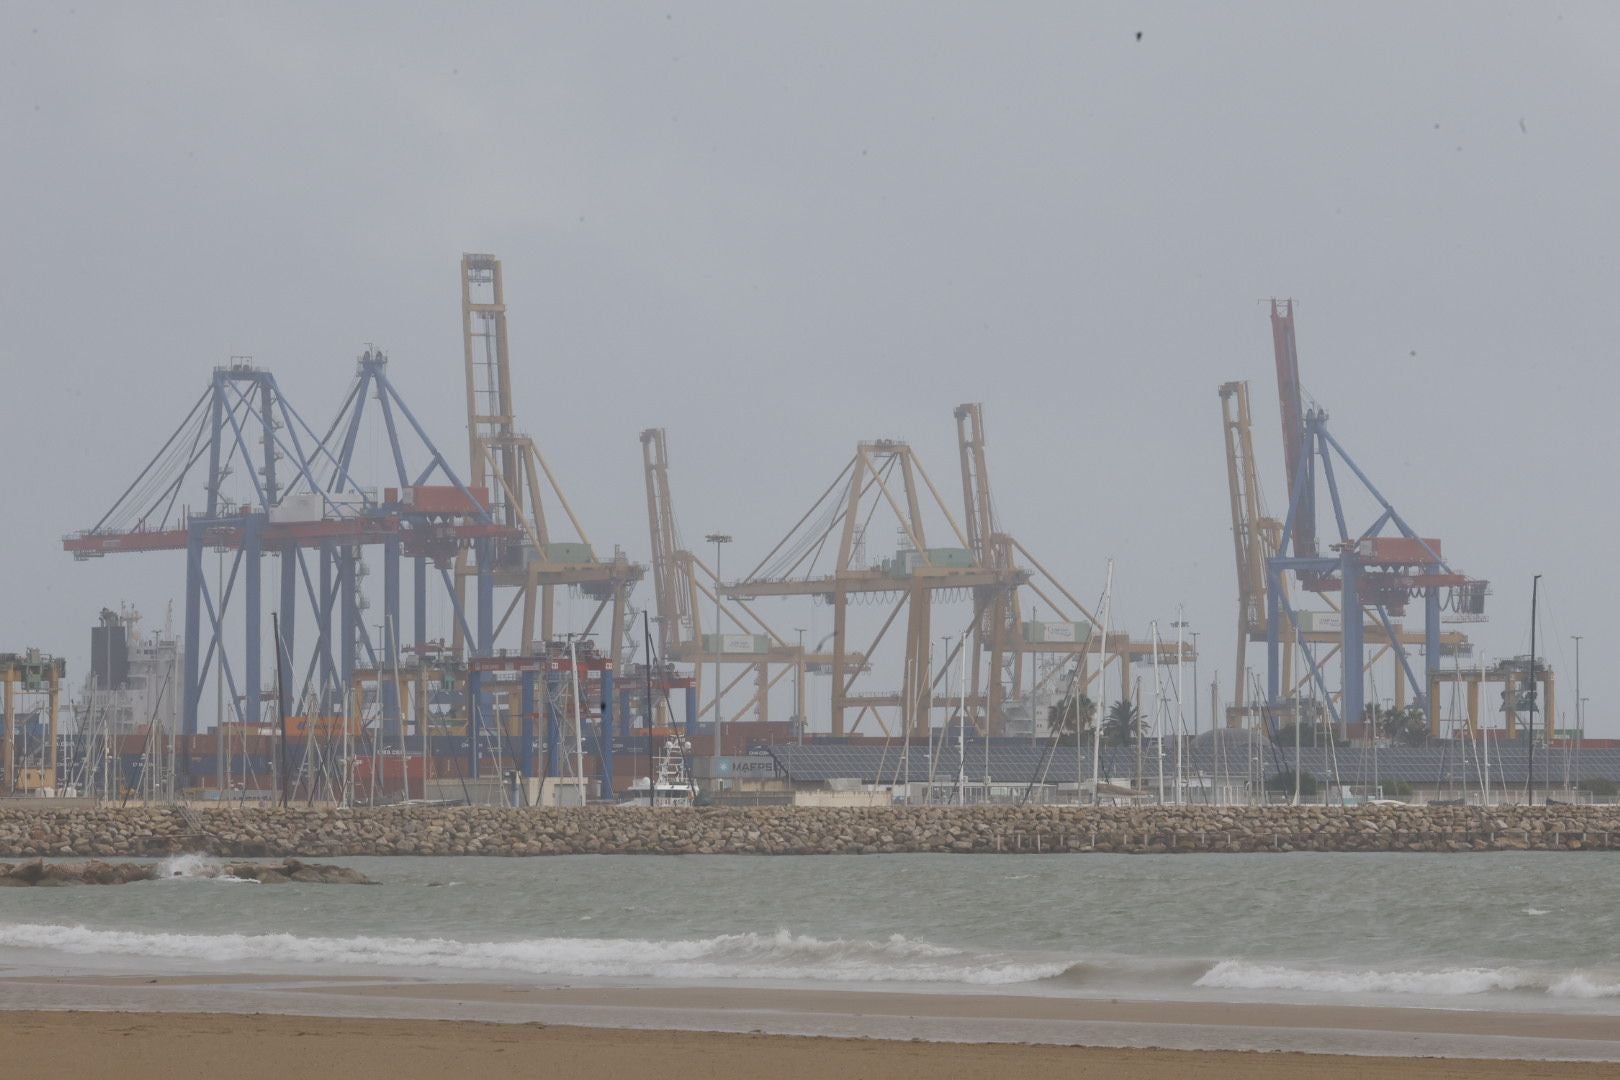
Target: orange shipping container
(1400,551)
(445,499)
(323,727)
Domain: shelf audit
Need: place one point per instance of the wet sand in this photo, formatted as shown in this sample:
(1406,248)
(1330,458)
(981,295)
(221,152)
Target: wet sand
(739,1025)
(190,1046)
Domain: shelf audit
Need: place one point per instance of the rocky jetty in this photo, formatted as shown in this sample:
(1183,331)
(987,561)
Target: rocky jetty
(96,872)
(89,873)
(30,829)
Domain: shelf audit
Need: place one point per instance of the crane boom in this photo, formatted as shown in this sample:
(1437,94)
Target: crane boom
(1242,485)
(1255,537)
(543,554)
(491,428)
(999,619)
(671,584)
(1291,398)
(980,515)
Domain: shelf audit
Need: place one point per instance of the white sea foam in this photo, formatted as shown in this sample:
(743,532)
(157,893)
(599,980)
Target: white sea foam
(196,867)
(1581,984)
(781,955)
(796,957)
(184,866)
(1437,982)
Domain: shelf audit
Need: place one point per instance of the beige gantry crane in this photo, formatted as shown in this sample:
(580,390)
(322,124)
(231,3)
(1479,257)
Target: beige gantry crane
(995,608)
(823,556)
(1007,628)
(685,591)
(1255,536)
(549,553)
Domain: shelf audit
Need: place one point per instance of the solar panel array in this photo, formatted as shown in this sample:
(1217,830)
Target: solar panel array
(1019,761)
(1457,763)
(1010,762)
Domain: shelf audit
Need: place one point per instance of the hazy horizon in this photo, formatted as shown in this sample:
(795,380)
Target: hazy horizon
(778,230)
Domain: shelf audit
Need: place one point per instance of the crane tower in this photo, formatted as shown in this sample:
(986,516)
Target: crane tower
(548,551)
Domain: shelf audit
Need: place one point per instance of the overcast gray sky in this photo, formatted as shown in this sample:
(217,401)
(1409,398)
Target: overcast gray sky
(777,229)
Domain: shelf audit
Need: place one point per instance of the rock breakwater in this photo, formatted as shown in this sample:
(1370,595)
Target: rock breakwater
(31,830)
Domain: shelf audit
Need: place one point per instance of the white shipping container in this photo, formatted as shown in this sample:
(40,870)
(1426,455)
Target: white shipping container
(1321,622)
(349,504)
(297,508)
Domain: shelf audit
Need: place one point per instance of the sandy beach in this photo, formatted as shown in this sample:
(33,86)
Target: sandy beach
(191,1046)
(181,1026)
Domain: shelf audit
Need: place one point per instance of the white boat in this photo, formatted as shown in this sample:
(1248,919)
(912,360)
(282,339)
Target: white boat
(673,785)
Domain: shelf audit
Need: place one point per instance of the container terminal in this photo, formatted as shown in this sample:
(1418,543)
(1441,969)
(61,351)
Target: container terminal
(955,666)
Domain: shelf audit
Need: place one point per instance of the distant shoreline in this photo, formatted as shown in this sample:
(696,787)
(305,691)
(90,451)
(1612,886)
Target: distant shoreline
(32,830)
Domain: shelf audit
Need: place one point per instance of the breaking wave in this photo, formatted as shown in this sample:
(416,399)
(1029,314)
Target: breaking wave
(785,956)
(781,955)
(1438,982)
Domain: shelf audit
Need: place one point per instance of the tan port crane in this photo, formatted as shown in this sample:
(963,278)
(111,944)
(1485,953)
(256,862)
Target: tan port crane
(549,552)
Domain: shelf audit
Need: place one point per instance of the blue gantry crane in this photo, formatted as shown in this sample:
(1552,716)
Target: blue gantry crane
(1373,571)
(270,485)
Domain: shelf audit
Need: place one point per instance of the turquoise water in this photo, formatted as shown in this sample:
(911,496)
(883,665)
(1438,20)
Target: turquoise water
(1510,930)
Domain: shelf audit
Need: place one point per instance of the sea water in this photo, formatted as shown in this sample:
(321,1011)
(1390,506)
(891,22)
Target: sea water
(1517,931)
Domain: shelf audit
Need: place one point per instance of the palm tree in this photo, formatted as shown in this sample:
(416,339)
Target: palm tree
(1065,717)
(1122,723)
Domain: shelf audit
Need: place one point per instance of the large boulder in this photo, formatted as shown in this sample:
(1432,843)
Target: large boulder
(294,870)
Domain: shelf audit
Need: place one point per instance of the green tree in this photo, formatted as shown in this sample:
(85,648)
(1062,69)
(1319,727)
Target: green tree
(1070,716)
(1121,725)
(1404,727)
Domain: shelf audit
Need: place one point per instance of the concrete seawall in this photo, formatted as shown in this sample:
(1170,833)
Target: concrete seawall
(33,830)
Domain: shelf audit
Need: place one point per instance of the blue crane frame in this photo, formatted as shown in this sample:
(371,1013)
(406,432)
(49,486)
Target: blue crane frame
(242,403)
(1360,579)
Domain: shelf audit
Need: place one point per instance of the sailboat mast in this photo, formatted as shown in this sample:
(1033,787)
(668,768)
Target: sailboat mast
(647,710)
(281,705)
(961,726)
(1485,737)
(1530,724)
(908,709)
(1181,716)
(348,759)
(1102,696)
(579,727)
(928,715)
(399,715)
(1158,708)
(419,700)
